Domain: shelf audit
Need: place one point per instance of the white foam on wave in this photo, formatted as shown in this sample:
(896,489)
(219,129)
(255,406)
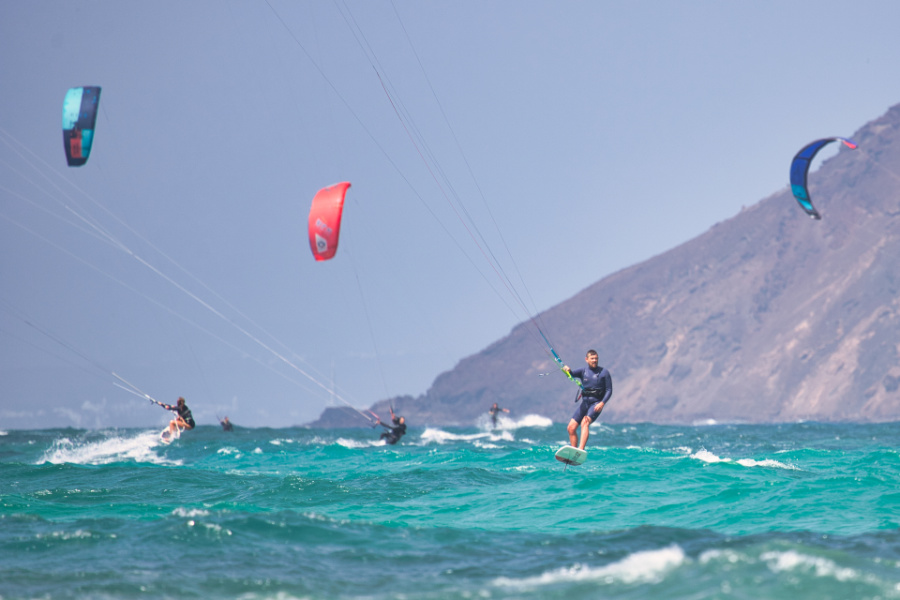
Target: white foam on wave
(190,513)
(533,421)
(439,436)
(359,444)
(115,448)
(649,566)
(314,441)
(509,424)
(3,432)
(78,534)
(710,458)
(792,560)
(214,528)
(729,556)
(523,468)
(768,462)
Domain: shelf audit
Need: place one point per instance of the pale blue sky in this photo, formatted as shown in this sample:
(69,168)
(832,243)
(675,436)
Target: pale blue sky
(599,133)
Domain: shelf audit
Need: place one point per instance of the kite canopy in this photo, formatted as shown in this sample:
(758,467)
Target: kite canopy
(800,169)
(325,220)
(79,117)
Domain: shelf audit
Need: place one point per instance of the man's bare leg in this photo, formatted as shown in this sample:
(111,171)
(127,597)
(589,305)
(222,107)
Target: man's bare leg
(573,440)
(585,432)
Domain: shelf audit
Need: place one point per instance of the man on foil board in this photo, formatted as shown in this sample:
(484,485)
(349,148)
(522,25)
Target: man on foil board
(596,389)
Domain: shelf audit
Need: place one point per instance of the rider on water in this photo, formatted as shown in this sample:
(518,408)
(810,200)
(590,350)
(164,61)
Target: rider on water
(184,420)
(596,389)
(395,432)
(495,409)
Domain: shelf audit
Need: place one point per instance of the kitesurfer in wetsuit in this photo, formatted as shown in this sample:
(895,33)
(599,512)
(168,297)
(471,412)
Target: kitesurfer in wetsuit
(494,410)
(226,424)
(596,390)
(184,419)
(394,432)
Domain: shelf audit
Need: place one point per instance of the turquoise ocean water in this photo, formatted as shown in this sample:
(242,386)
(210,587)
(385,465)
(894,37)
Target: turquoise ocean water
(718,511)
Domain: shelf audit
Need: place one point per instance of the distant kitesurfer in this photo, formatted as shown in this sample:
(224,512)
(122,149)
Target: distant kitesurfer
(226,424)
(596,390)
(394,432)
(494,410)
(184,419)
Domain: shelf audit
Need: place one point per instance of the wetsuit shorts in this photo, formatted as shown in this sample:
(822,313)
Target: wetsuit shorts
(586,408)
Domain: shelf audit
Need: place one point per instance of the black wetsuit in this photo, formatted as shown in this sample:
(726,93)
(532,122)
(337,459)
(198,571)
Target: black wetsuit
(393,434)
(226,425)
(184,412)
(494,412)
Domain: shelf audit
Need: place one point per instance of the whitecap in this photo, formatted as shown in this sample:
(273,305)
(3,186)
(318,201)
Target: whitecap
(729,556)
(823,567)
(505,436)
(190,513)
(115,448)
(649,566)
(768,462)
(439,436)
(524,468)
(214,527)
(282,441)
(78,534)
(708,457)
(533,421)
(508,423)
(355,444)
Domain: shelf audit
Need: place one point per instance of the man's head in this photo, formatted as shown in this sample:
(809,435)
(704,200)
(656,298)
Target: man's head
(180,401)
(591,358)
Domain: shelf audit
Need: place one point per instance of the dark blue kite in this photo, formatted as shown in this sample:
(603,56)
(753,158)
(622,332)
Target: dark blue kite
(800,168)
(79,117)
